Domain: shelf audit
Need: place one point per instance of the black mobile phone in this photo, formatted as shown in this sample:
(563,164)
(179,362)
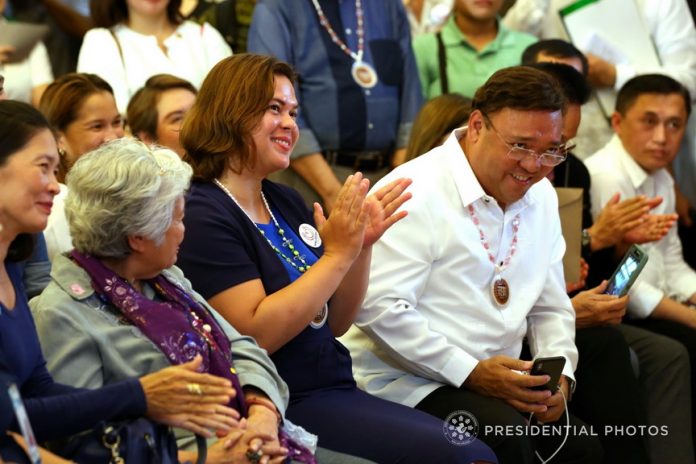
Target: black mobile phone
(553,367)
(626,273)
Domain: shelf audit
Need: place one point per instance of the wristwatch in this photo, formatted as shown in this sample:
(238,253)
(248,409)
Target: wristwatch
(586,243)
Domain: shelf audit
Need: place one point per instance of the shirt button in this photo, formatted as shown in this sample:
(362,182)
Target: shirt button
(348,31)
(367,92)
(370,125)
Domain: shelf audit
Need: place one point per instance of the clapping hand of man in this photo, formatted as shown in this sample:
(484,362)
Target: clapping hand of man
(593,307)
(618,217)
(501,377)
(652,229)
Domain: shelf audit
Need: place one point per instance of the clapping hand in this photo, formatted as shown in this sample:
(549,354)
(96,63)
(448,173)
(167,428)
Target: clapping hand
(654,228)
(618,217)
(342,233)
(382,206)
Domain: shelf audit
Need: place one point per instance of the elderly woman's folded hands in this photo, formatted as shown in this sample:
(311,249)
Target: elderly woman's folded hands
(250,442)
(181,397)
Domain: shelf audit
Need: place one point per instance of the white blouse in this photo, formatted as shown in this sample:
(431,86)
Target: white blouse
(21,78)
(192,51)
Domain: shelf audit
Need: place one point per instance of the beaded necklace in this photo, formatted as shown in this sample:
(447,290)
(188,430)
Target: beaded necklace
(287,242)
(363,74)
(500,289)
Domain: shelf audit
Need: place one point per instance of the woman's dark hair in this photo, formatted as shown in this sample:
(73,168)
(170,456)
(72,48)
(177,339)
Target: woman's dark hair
(108,13)
(231,102)
(437,118)
(19,123)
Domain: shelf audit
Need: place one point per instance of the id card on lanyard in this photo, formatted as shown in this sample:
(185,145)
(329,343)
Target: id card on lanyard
(24,424)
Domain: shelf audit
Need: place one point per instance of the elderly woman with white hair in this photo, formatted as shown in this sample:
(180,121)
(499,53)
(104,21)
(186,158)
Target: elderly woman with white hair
(117,307)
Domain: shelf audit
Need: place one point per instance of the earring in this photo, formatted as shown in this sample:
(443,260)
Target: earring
(61,152)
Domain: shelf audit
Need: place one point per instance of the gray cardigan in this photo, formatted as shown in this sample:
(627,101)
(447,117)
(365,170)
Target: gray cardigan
(86,344)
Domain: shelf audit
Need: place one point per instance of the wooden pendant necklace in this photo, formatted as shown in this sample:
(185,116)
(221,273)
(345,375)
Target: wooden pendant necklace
(363,73)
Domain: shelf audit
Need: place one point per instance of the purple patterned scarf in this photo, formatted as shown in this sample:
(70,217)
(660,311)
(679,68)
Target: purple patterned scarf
(180,327)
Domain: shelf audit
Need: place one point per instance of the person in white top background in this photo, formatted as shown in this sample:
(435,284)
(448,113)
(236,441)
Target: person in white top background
(135,39)
(474,268)
(27,79)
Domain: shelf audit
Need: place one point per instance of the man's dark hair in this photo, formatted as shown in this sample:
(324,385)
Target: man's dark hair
(574,85)
(650,83)
(519,88)
(556,48)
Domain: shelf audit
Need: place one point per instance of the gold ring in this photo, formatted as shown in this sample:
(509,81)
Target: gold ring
(194,388)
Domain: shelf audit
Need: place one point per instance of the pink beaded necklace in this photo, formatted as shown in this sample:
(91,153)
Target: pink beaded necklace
(500,289)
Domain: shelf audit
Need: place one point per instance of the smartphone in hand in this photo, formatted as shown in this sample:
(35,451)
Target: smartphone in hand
(553,367)
(627,271)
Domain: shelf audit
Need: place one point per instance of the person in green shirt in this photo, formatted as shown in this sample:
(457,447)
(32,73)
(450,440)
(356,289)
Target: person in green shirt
(471,46)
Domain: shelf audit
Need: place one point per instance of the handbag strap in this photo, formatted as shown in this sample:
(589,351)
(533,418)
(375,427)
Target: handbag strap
(202,445)
(120,54)
(442,63)
(118,45)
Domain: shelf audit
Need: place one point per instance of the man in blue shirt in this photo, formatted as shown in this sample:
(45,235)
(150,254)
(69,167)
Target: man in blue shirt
(358,86)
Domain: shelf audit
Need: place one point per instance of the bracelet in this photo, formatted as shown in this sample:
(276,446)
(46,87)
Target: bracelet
(266,403)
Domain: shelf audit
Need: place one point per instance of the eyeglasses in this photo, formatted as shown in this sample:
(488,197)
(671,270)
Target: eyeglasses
(551,157)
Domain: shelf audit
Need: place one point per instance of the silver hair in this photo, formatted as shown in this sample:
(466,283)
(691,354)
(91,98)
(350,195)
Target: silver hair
(123,188)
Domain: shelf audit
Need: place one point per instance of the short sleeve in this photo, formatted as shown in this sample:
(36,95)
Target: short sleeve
(215,254)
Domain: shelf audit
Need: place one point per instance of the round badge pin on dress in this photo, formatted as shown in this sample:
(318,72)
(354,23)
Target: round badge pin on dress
(309,235)
(320,318)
